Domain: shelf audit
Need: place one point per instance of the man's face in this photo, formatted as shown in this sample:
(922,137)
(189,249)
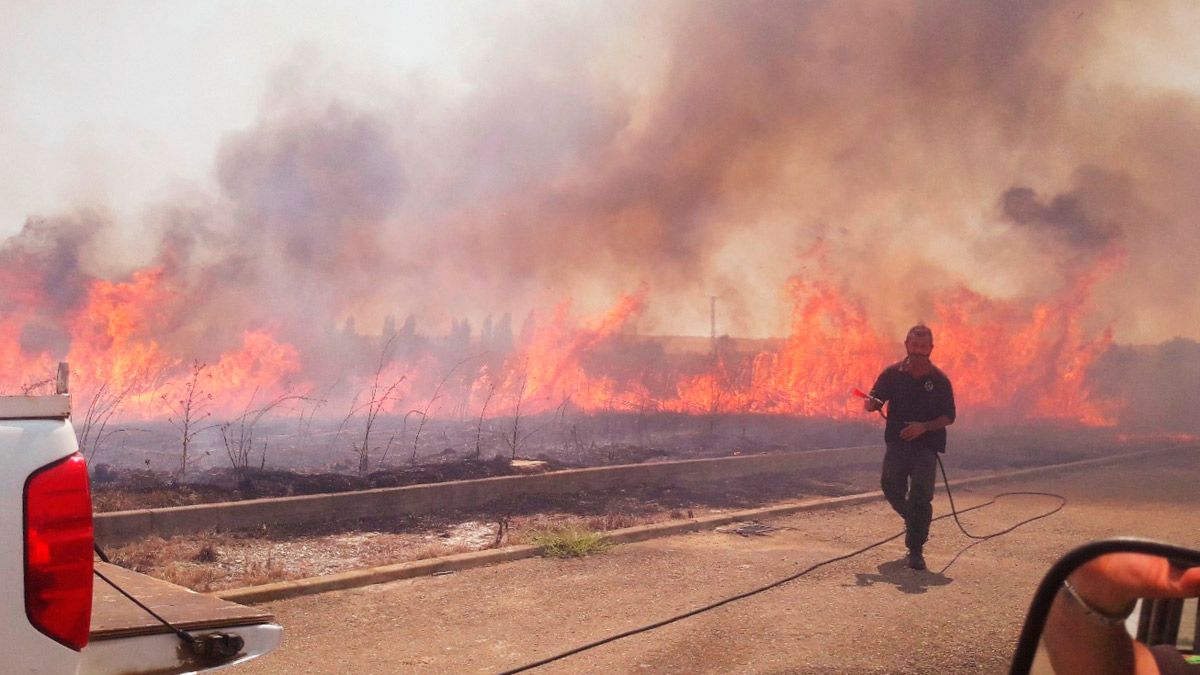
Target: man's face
(919,345)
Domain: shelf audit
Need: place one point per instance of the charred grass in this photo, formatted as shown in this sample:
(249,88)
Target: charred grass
(114,490)
(566,524)
(217,561)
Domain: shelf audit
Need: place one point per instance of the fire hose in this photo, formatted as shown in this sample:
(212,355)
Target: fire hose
(954,512)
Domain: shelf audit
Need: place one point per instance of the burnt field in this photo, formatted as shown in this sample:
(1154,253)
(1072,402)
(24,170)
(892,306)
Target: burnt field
(284,458)
(219,560)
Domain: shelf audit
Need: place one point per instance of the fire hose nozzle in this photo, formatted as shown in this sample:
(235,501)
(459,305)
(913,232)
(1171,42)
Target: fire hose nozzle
(862,394)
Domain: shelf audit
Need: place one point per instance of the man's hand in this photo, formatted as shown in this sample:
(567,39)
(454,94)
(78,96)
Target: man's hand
(1111,581)
(872,404)
(913,430)
(1077,643)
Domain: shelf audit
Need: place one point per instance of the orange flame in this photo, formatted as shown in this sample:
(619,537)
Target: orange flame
(1005,357)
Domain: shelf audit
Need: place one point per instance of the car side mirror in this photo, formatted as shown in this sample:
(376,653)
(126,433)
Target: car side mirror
(1145,581)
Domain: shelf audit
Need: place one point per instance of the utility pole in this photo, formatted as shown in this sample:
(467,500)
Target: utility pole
(712,320)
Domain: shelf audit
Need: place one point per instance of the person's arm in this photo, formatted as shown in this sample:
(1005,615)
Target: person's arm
(878,394)
(1087,635)
(915,429)
(1078,641)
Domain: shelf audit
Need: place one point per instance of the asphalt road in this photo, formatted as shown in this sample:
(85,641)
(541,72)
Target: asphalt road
(865,615)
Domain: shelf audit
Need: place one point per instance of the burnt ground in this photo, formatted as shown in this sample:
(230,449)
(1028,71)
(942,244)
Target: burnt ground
(214,561)
(302,470)
(118,490)
(867,614)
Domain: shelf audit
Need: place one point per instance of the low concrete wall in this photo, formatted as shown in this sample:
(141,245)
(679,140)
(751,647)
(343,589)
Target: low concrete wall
(122,526)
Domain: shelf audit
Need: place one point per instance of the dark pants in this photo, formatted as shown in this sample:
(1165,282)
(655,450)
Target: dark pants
(909,475)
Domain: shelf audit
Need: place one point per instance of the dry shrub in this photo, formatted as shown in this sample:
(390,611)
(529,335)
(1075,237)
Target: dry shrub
(111,500)
(616,520)
(199,578)
(208,553)
(435,551)
(141,556)
(155,552)
(266,571)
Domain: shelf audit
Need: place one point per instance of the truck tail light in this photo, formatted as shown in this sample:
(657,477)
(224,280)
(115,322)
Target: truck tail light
(58,551)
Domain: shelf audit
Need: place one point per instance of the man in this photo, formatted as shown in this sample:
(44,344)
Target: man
(920,407)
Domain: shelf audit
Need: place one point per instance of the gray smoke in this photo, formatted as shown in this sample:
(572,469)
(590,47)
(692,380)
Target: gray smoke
(699,148)
(1082,218)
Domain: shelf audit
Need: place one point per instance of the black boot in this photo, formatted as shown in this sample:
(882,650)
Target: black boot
(916,561)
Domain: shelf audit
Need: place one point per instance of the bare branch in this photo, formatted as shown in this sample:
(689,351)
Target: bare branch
(381,394)
(479,427)
(514,441)
(434,397)
(189,411)
(238,434)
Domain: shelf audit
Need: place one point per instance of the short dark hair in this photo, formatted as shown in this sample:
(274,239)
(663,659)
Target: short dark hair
(919,330)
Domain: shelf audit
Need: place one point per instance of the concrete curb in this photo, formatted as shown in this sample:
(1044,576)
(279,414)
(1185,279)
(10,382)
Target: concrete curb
(462,561)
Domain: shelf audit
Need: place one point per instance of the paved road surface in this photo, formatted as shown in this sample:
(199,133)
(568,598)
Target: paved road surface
(865,615)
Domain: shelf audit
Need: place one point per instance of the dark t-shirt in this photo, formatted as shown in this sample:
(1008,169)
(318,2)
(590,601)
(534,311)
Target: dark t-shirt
(912,399)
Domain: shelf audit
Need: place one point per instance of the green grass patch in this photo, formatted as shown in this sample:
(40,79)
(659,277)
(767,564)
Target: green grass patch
(570,542)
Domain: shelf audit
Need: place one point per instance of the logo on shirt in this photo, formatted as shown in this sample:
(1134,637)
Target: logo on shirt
(928,385)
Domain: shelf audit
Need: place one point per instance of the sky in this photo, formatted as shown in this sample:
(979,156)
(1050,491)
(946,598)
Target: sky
(111,103)
(465,159)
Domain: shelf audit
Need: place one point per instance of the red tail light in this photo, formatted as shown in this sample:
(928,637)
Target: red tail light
(58,551)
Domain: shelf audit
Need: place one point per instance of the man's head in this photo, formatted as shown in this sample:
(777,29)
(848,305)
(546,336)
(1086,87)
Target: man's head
(919,341)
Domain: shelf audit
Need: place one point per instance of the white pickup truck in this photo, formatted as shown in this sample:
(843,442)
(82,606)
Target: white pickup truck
(64,611)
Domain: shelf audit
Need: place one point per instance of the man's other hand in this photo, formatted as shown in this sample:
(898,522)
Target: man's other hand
(913,430)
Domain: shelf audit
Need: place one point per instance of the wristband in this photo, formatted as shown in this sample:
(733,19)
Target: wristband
(1097,614)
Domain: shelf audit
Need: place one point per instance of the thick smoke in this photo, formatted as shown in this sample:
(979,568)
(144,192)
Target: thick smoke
(44,278)
(926,145)
(1157,385)
(889,132)
(315,191)
(1082,218)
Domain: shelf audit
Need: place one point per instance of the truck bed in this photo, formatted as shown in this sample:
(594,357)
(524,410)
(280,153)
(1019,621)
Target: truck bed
(115,616)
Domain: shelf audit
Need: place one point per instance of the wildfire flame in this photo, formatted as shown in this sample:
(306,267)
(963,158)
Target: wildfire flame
(1006,359)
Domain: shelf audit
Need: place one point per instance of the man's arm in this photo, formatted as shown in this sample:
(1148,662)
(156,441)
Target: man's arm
(915,429)
(949,410)
(1079,643)
(878,394)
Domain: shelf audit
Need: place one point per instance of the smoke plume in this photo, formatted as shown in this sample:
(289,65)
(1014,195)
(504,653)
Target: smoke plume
(929,150)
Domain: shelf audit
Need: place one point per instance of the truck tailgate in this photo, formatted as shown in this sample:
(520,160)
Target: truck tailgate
(126,639)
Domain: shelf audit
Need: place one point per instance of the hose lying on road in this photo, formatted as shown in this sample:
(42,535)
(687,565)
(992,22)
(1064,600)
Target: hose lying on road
(725,601)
